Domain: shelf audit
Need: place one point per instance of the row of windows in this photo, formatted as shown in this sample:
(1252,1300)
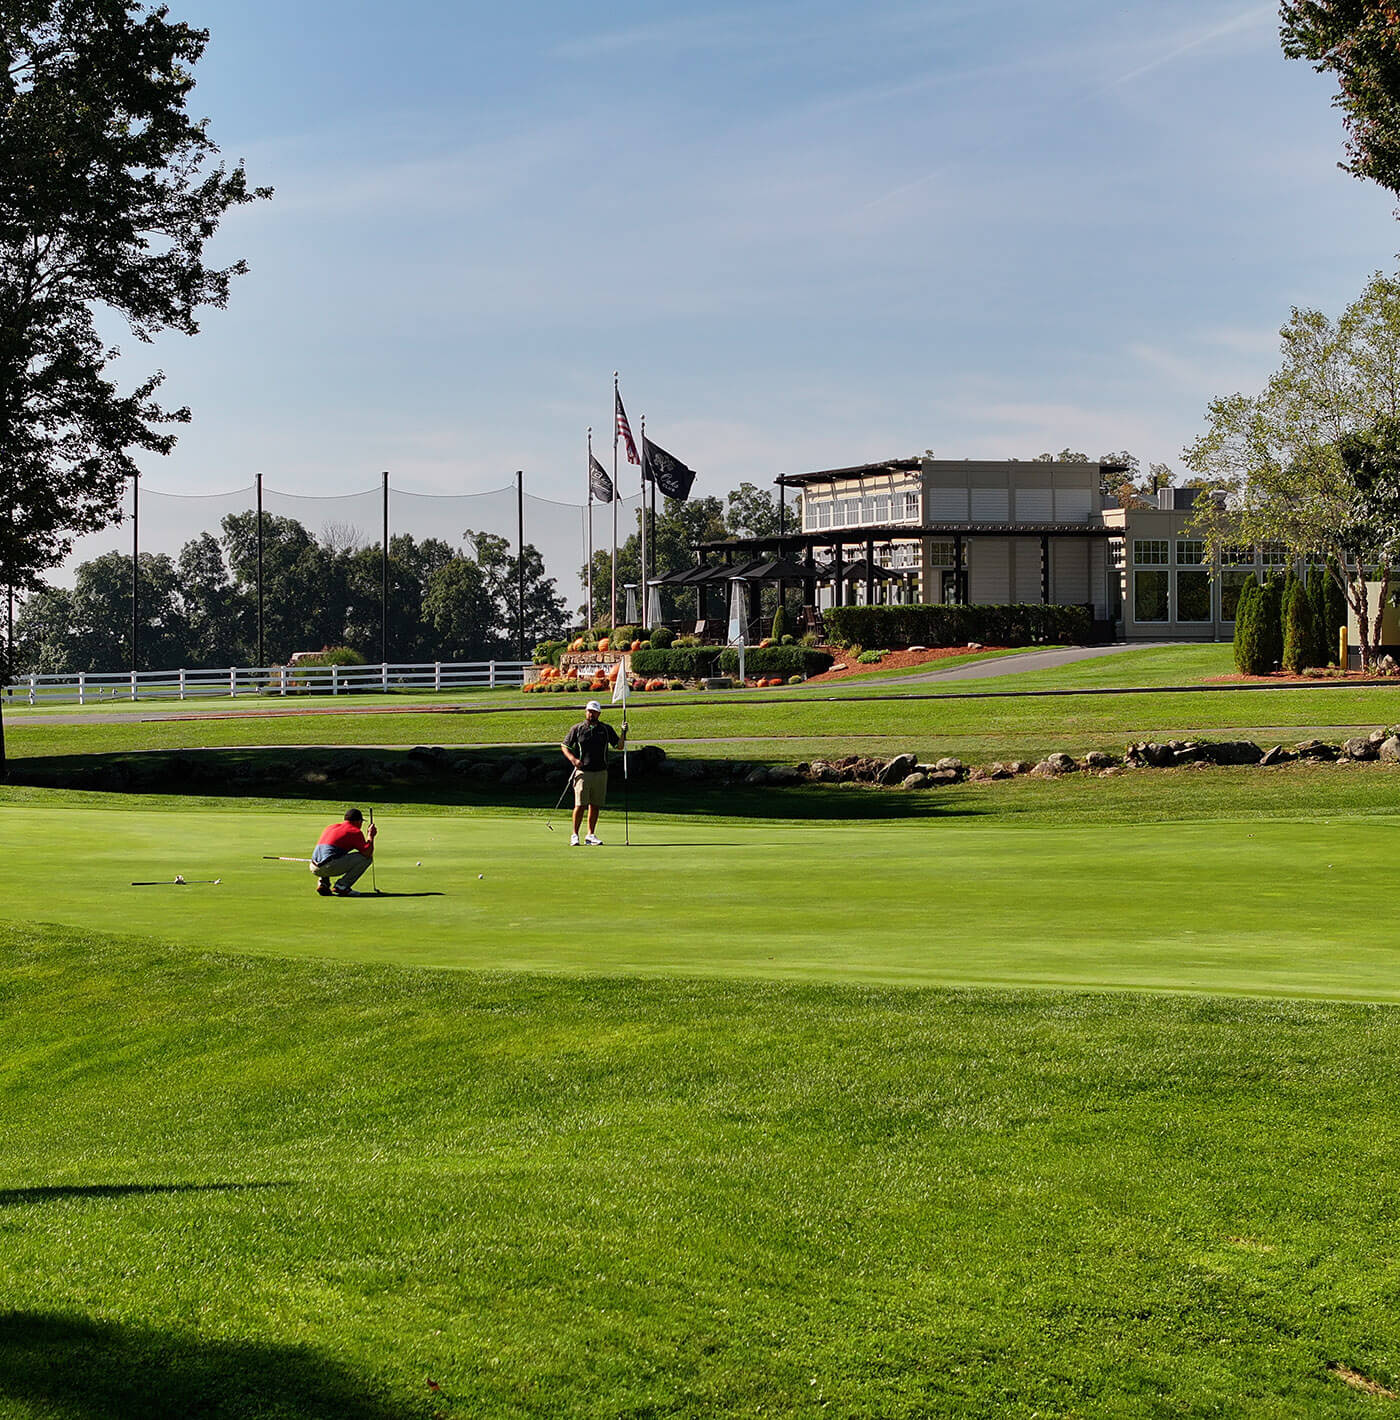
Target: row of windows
(871,511)
(1191,552)
(1152,595)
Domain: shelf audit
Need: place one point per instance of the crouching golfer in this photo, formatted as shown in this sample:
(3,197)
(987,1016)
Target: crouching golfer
(586,748)
(342,852)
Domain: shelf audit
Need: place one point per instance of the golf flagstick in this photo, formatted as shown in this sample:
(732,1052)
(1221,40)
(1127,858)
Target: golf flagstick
(620,693)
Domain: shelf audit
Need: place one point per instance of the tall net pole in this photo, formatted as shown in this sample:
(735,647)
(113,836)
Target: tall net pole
(520,554)
(617,498)
(135,565)
(384,580)
(588,515)
(261,649)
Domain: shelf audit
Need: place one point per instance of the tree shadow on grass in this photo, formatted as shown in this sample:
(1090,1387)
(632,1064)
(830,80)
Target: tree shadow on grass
(57,1192)
(80,1369)
(318,775)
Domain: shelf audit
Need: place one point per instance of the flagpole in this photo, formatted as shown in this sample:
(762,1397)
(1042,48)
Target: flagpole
(588,513)
(614,507)
(643,608)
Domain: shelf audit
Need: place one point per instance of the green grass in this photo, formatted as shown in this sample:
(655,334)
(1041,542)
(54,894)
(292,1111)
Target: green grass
(254,1187)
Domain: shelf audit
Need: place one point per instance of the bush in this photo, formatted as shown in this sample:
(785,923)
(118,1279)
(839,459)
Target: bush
(925,625)
(685,662)
(870,658)
(1300,639)
(1271,624)
(1249,652)
(780,625)
(332,656)
(661,638)
(624,636)
(547,653)
(775,660)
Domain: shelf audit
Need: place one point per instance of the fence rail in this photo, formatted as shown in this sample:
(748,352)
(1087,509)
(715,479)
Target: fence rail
(96,687)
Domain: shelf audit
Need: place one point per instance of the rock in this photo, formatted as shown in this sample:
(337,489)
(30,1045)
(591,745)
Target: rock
(839,666)
(756,776)
(1019,766)
(784,774)
(1158,756)
(1188,753)
(1315,749)
(914,781)
(1232,752)
(1378,737)
(998,770)
(1110,772)
(896,769)
(1276,755)
(974,645)
(1061,763)
(917,649)
(1045,770)
(428,752)
(1358,748)
(1389,750)
(948,762)
(516,773)
(943,776)
(1098,759)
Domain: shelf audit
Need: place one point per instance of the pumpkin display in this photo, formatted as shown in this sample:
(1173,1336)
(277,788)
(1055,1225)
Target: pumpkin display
(636,646)
(603,644)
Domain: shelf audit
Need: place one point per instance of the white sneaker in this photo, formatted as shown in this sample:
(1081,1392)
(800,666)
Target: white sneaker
(573,840)
(594,840)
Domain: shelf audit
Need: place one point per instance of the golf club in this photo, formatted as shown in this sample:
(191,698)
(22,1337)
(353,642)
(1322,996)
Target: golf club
(373,881)
(283,858)
(178,881)
(568,784)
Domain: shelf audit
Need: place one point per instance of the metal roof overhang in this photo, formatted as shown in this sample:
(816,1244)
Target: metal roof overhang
(796,480)
(904,532)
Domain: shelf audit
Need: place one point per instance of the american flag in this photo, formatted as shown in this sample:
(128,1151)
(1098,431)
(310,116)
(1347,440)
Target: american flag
(624,431)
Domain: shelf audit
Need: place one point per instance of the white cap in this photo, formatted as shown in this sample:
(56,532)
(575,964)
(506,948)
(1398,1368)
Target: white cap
(593,705)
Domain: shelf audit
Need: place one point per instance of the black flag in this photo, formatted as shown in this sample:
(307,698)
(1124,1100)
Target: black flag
(599,484)
(672,477)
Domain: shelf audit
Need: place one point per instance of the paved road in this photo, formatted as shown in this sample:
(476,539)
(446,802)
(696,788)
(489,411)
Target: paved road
(1027,661)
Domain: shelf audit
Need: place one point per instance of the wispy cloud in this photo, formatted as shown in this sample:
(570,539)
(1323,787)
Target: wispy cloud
(1256,16)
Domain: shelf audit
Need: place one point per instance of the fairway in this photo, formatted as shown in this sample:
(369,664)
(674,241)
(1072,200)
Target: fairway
(1246,906)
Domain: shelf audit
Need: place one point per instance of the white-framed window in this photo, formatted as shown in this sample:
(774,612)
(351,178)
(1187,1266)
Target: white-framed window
(1236,557)
(1150,552)
(1193,595)
(1274,554)
(1150,595)
(1191,552)
(867,510)
(906,554)
(849,512)
(911,506)
(882,508)
(940,554)
(823,511)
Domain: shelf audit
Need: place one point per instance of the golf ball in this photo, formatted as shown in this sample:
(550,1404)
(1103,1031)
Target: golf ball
(479,876)
(179,877)
(419,863)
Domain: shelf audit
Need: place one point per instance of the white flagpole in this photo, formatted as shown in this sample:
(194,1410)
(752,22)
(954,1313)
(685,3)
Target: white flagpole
(643,588)
(588,513)
(616,496)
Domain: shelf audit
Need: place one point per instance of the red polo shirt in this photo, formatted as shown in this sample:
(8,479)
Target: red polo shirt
(345,838)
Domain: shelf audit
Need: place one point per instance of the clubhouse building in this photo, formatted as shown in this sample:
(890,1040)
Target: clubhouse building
(972,531)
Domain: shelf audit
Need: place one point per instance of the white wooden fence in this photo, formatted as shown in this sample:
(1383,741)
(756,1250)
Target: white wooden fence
(94,688)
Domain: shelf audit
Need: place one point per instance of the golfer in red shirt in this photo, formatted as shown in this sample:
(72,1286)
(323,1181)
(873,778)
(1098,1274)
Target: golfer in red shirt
(342,852)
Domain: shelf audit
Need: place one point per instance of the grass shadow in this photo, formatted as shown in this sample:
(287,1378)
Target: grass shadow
(52,1193)
(71,1366)
(466,778)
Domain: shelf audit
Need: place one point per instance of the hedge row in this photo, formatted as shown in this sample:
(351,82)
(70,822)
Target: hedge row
(685,662)
(775,660)
(956,625)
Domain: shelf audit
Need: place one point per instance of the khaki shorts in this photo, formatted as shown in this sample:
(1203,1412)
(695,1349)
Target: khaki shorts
(590,787)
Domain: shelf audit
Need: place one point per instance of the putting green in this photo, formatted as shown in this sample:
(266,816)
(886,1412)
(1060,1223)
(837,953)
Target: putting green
(1260,907)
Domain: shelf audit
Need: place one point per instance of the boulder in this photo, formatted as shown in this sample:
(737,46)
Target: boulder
(1018,766)
(1315,749)
(897,769)
(1061,763)
(943,776)
(998,770)
(1389,750)
(1045,770)
(1158,756)
(784,774)
(918,648)
(948,762)
(1276,755)
(756,776)
(1358,747)
(914,781)
(1098,759)
(516,773)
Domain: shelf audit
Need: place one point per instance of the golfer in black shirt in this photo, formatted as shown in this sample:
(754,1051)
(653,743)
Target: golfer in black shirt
(586,748)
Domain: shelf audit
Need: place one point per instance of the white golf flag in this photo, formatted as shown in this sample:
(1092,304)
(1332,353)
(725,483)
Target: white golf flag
(619,695)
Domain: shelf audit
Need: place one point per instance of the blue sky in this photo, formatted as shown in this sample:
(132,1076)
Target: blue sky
(808,234)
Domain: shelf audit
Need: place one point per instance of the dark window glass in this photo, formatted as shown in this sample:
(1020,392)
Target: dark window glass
(1150,596)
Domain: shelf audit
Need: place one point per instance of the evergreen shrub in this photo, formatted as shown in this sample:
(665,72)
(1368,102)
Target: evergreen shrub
(684,662)
(781,626)
(662,638)
(1300,639)
(1249,655)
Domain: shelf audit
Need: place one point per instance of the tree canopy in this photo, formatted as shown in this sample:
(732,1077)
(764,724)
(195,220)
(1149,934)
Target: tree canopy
(1313,461)
(108,195)
(1359,42)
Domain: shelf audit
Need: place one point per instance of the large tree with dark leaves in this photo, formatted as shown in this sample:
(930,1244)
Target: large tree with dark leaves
(1359,42)
(108,194)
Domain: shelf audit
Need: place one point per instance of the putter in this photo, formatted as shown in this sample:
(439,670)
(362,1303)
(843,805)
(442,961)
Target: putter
(283,858)
(373,881)
(568,784)
(179,882)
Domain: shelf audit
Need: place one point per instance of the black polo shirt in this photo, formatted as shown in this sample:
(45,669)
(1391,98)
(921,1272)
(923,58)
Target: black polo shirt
(590,744)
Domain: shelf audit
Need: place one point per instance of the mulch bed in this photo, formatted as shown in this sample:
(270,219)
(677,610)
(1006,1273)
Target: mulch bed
(893,660)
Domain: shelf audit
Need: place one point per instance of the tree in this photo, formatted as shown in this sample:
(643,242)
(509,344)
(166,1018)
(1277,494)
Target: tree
(1249,656)
(209,606)
(1359,42)
(44,633)
(100,611)
(1300,640)
(106,203)
(545,610)
(1313,461)
(1117,471)
(751,512)
(460,614)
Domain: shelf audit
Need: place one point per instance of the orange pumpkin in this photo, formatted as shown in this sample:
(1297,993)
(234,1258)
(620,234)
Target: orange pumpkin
(636,645)
(603,644)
